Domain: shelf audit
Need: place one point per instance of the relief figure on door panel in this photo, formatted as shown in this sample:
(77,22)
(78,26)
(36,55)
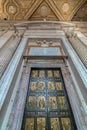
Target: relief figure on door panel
(41,102)
(52,103)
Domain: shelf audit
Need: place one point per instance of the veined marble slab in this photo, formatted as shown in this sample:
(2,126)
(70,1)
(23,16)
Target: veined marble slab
(82,37)
(40,51)
(5,38)
(8,75)
(43,33)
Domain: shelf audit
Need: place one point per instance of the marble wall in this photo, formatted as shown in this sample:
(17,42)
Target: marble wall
(74,72)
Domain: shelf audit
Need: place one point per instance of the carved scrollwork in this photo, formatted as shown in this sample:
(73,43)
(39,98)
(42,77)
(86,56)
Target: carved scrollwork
(44,43)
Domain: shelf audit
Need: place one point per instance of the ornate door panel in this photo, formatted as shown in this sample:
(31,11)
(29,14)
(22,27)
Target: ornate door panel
(47,105)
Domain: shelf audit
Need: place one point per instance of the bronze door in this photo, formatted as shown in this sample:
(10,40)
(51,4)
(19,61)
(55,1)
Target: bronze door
(47,105)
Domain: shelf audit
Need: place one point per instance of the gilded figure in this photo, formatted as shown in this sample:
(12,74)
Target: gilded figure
(41,102)
(55,124)
(41,74)
(62,102)
(52,103)
(41,85)
(31,102)
(56,74)
(51,85)
(33,86)
(49,74)
(34,73)
(58,85)
(66,124)
(29,125)
(41,124)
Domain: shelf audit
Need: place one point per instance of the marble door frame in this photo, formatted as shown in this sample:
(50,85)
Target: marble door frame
(19,104)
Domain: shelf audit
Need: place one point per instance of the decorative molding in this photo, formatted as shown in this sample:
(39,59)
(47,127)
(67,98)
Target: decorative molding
(33,8)
(44,12)
(44,43)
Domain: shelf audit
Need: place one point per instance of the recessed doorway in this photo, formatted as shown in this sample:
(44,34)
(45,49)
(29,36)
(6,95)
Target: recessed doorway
(47,105)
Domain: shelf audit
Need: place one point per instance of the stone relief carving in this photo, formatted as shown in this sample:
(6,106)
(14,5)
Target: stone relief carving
(44,12)
(12,9)
(44,43)
(65,7)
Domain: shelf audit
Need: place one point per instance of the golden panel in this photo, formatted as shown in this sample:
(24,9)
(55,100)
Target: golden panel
(31,103)
(52,103)
(49,74)
(41,124)
(33,86)
(66,123)
(29,125)
(41,85)
(41,102)
(34,74)
(41,74)
(56,74)
(62,102)
(58,86)
(55,124)
(51,86)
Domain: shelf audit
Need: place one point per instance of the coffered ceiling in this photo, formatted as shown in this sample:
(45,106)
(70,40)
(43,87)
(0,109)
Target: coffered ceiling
(63,10)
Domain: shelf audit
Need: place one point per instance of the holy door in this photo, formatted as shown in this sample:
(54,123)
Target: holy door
(47,105)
